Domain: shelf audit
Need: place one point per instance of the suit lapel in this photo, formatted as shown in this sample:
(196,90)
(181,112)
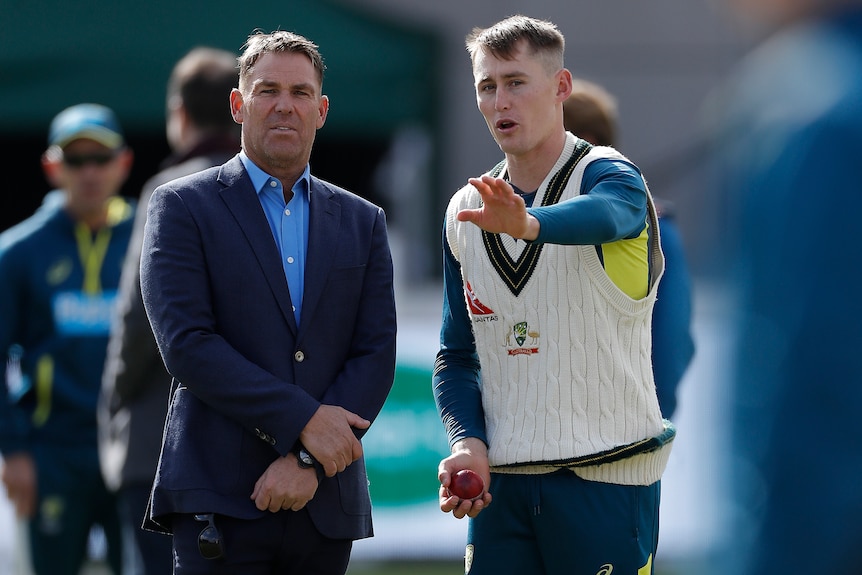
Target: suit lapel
(242,201)
(323,229)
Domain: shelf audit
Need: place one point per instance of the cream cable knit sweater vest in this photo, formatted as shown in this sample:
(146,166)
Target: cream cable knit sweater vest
(565,354)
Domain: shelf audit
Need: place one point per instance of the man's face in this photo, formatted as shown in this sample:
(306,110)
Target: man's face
(90,173)
(519,98)
(280,108)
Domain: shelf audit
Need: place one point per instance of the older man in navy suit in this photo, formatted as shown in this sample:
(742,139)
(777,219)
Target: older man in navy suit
(270,295)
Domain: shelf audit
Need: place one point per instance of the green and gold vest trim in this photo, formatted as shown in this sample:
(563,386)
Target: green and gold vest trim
(516,273)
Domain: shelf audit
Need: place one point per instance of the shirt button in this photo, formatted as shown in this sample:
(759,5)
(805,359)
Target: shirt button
(286,212)
(299,356)
(290,259)
(273,183)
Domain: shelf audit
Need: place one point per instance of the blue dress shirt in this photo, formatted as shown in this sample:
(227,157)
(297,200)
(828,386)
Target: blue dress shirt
(288,222)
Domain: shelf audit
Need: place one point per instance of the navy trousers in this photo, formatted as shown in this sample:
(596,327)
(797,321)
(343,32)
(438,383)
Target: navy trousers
(283,543)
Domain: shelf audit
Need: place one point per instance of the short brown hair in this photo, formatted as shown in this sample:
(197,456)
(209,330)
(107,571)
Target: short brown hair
(502,39)
(201,81)
(259,43)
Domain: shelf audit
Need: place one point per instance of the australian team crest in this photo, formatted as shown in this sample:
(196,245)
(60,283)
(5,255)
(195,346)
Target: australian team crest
(520,331)
(522,340)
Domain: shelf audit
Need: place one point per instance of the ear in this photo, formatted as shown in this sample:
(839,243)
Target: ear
(564,85)
(236,105)
(127,158)
(323,110)
(182,116)
(51,167)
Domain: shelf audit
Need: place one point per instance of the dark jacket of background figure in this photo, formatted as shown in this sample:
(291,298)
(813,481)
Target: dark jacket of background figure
(135,384)
(673,344)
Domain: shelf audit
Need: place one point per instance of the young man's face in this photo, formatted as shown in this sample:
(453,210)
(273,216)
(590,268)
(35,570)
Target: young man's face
(521,99)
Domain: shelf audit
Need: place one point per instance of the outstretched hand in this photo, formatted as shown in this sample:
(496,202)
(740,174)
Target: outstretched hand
(503,211)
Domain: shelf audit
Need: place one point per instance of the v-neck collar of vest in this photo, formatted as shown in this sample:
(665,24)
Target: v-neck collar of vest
(515,273)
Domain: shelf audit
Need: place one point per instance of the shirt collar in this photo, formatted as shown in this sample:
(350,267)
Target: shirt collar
(259,178)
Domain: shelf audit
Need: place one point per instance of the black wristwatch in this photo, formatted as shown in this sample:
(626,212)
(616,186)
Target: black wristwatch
(305,460)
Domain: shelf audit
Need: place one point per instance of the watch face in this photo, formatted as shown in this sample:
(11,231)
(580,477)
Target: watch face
(305,459)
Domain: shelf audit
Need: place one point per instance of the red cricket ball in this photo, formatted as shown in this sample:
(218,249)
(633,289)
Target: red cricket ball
(466,484)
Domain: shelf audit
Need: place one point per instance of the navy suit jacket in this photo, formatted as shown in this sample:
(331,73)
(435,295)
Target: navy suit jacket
(246,379)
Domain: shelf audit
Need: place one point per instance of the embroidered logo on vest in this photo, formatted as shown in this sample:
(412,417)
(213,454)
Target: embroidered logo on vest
(521,333)
(480,311)
(476,307)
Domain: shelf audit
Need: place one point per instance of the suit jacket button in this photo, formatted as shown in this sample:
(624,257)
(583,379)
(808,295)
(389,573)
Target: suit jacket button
(299,356)
(264,436)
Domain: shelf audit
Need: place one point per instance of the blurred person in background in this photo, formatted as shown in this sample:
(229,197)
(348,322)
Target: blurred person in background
(59,272)
(591,113)
(789,132)
(201,133)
